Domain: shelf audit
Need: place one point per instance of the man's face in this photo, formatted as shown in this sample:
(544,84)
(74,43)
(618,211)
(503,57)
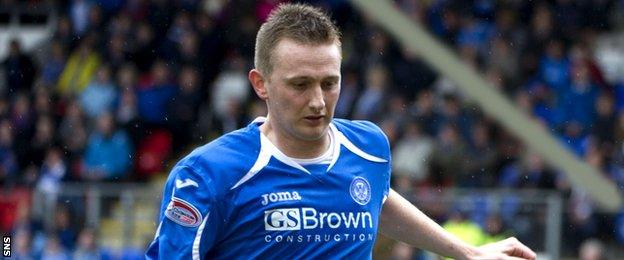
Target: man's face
(303,88)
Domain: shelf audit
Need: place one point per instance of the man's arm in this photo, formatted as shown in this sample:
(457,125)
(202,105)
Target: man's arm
(188,222)
(402,221)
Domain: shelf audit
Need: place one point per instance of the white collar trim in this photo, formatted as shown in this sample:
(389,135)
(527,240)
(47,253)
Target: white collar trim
(268,150)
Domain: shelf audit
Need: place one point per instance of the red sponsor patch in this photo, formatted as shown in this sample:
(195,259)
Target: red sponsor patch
(183,213)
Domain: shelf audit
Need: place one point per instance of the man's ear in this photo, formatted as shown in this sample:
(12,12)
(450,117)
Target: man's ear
(258,82)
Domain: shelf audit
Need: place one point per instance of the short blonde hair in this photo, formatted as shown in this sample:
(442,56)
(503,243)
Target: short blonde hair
(301,23)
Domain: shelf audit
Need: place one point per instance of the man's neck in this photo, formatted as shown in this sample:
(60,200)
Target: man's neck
(293,147)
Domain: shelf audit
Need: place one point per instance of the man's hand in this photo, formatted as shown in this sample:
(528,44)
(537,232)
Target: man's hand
(402,221)
(509,248)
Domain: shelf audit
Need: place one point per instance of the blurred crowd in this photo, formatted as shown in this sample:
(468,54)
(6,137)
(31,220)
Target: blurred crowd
(124,88)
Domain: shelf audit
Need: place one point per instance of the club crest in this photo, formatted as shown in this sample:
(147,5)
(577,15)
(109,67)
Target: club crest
(360,190)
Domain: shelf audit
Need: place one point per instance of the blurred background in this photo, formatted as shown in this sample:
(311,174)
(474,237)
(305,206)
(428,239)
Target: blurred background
(98,99)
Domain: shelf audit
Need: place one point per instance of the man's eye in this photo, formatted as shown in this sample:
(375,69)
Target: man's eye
(299,85)
(329,85)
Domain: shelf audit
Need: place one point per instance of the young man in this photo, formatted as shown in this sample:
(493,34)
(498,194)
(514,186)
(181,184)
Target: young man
(298,183)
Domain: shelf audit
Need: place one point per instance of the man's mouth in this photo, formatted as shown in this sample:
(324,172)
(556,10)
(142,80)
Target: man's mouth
(314,119)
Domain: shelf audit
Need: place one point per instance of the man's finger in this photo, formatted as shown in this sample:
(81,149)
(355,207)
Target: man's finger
(513,258)
(520,250)
(499,257)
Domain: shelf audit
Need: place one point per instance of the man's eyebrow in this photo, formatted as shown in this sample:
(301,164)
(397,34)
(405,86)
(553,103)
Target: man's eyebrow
(299,78)
(334,77)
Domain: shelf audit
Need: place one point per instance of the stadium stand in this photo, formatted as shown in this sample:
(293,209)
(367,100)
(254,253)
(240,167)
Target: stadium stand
(97,94)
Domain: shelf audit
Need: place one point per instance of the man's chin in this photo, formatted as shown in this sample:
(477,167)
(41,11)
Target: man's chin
(313,134)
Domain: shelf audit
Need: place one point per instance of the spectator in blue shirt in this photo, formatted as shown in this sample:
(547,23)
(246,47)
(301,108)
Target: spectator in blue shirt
(155,93)
(100,94)
(108,152)
(578,101)
(554,66)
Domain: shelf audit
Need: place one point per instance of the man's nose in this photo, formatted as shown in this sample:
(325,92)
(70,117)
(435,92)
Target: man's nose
(317,101)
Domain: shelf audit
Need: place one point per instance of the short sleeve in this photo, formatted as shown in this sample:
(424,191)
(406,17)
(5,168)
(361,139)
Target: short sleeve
(188,217)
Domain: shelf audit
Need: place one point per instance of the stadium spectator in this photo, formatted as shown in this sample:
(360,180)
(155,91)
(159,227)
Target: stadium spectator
(592,249)
(348,95)
(448,159)
(116,53)
(42,101)
(580,218)
(79,69)
(22,248)
(573,137)
(64,33)
(42,139)
(87,247)
(372,98)
(411,155)
(99,95)
(154,92)
(186,51)
(555,67)
(72,130)
(121,28)
(144,52)
(183,107)
(606,118)
(579,98)
(19,69)
(230,91)
(49,184)
(494,229)
(79,12)
(108,153)
(63,234)
(53,249)
(8,160)
(460,225)
(504,58)
(402,251)
(424,112)
(481,155)
(53,65)
(125,106)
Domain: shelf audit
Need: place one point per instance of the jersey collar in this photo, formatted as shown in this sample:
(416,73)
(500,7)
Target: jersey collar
(269,150)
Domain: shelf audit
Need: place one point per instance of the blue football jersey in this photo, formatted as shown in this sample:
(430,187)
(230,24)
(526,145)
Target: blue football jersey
(240,197)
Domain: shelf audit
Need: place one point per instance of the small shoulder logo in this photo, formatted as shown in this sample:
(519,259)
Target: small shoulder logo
(360,190)
(187,182)
(183,213)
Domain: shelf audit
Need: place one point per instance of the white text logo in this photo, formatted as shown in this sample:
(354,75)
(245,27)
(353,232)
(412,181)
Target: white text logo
(310,218)
(282,219)
(280,196)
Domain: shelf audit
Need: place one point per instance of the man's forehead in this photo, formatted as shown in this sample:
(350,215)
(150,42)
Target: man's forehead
(295,59)
(289,50)
(287,42)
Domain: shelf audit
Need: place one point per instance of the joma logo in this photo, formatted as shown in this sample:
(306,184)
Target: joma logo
(280,196)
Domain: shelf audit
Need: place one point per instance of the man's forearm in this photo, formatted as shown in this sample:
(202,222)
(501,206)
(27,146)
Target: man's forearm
(402,221)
